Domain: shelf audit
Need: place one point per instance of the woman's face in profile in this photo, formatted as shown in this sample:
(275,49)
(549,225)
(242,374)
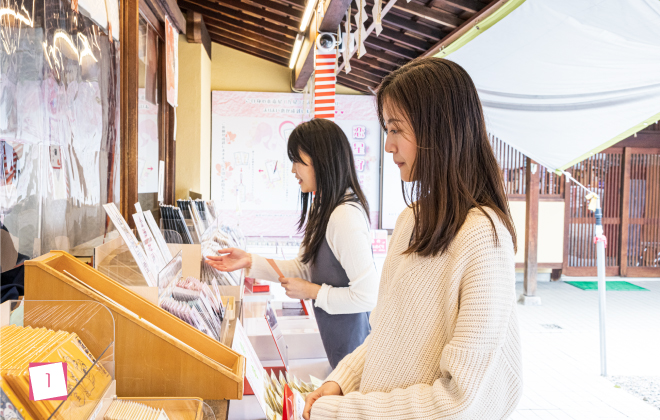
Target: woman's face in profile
(305,174)
(401,141)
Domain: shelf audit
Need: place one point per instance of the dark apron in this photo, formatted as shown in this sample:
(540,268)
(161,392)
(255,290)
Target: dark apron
(343,333)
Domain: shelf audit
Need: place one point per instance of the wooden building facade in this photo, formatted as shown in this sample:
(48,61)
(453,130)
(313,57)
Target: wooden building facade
(627,178)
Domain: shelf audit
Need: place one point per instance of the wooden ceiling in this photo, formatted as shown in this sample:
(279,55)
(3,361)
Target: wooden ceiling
(267,29)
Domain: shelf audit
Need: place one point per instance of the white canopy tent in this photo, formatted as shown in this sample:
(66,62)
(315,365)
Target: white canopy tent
(562,79)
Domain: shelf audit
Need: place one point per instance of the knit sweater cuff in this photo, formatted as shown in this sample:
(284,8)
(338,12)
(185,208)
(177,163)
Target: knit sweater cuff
(348,381)
(325,408)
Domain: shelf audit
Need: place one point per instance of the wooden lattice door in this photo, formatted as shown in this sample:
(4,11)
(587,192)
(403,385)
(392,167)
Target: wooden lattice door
(601,173)
(640,251)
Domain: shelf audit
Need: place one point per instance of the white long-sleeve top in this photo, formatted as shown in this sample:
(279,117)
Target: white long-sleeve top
(349,237)
(444,342)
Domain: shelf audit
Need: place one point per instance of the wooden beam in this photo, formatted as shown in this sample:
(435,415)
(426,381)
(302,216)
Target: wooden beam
(283,50)
(169,8)
(464,27)
(222,14)
(625,211)
(129,64)
(439,17)
(471,6)
(156,24)
(391,60)
(351,82)
(531,227)
(393,33)
(333,15)
(238,8)
(363,66)
(371,60)
(413,27)
(194,27)
(354,86)
(391,48)
(403,39)
(365,75)
(248,30)
(260,12)
(275,6)
(196,32)
(298,4)
(250,50)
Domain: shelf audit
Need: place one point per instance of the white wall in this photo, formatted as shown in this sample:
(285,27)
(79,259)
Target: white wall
(551,230)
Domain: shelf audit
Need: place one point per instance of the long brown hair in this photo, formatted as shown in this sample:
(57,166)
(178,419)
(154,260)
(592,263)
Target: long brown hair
(455,169)
(334,167)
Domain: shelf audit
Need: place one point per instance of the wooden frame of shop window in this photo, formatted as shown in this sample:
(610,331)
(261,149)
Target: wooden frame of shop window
(154,12)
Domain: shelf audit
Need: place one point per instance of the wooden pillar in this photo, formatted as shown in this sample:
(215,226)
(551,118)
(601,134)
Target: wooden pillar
(129,67)
(529,296)
(625,211)
(166,128)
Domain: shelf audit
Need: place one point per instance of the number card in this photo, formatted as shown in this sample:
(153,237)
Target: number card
(48,381)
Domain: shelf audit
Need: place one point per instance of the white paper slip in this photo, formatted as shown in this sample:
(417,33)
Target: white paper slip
(148,242)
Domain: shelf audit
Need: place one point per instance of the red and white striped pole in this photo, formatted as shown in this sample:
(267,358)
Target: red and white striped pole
(324,83)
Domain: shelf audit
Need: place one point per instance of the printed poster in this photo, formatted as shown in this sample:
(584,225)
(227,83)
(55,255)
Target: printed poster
(251,180)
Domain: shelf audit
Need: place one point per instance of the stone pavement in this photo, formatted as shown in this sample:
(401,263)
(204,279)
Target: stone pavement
(561,352)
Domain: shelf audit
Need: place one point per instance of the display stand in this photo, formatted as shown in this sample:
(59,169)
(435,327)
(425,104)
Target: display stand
(94,325)
(156,353)
(115,260)
(97,389)
(177,408)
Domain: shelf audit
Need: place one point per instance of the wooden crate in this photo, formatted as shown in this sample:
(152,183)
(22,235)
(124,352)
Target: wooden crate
(156,354)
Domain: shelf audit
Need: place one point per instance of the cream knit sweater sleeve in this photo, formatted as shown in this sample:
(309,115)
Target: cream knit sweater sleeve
(476,379)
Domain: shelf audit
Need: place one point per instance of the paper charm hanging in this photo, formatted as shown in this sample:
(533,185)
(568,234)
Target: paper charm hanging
(347,42)
(377,13)
(360,18)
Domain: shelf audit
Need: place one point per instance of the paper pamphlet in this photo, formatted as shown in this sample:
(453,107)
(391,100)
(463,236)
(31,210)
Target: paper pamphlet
(277,334)
(148,242)
(158,235)
(254,371)
(148,271)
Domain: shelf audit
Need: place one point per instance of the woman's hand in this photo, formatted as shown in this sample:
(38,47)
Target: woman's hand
(327,389)
(234,259)
(297,288)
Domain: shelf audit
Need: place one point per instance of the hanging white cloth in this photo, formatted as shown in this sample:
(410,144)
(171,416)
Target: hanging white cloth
(560,80)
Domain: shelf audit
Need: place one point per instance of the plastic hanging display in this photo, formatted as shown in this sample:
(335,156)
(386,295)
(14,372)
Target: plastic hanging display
(59,123)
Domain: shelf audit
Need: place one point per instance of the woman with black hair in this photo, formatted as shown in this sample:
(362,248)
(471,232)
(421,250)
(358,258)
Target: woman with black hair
(335,266)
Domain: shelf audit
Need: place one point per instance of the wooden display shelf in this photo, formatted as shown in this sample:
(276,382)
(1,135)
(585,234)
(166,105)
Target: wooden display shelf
(156,354)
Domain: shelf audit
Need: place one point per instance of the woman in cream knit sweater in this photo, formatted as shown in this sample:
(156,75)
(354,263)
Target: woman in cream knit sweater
(444,342)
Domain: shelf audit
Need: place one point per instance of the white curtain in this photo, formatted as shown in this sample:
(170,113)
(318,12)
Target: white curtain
(560,79)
